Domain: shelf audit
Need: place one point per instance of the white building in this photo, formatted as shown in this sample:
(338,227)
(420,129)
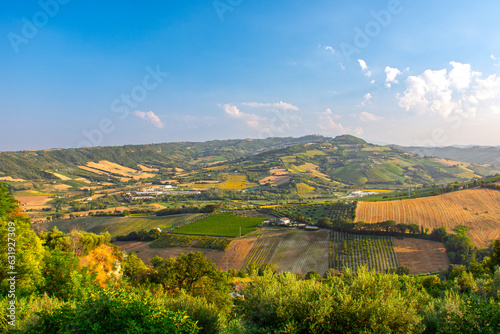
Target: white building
(284,221)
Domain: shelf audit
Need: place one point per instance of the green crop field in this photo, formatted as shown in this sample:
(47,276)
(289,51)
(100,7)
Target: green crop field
(353,251)
(222,225)
(119,225)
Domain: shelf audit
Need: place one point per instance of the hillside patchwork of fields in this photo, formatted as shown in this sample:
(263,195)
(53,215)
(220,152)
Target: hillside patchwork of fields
(479,209)
(117,225)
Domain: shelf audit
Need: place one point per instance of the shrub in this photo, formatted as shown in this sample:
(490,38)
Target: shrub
(111,311)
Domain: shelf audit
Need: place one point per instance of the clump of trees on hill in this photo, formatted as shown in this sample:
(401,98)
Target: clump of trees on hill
(58,291)
(187,209)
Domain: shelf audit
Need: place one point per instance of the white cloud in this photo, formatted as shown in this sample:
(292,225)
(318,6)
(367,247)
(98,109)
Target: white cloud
(460,91)
(363,65)
(391,74)
(328,121)
(252,120)
(460,75)
(367,99)
(149,116)
(329,48)
(364,68)
(329,112)
(495,59)
(369,117)
(280,121)
(279,105)
(359,131)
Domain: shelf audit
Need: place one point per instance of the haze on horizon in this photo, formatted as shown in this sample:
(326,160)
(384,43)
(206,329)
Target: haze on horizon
(77,74)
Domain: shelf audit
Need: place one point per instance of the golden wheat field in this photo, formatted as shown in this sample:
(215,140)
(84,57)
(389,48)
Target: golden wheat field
(479,209)
(236,182)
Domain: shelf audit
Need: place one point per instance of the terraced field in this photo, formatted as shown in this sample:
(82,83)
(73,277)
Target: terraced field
(479,209)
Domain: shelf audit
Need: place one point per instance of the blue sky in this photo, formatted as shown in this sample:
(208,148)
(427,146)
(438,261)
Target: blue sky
(87,73)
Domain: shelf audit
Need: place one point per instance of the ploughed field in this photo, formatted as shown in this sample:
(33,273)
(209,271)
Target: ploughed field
(478,209)
(422,256)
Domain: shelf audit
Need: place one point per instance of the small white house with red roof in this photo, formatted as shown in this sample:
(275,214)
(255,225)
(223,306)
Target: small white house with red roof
(285,221)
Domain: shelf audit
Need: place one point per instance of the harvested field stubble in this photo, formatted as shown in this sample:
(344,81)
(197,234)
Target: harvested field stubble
(422,256)
(479,209)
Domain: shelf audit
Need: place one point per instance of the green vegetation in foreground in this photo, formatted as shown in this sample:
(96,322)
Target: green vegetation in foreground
(55,292)
(119,225)
(180,240)
(222,225)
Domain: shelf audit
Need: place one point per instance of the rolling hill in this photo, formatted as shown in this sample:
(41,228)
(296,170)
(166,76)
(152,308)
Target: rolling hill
(307,164)
(475,154)
(350,161)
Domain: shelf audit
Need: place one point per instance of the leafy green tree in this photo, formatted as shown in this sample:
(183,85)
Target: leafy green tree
(271,267)
(198,309)
(194,274)
(324,222)
(350,303)
(439,234)
(388,225)
(63,277)
(111,311)
(313,275)
(134,268)
(494,260)
(252,269)
(21,250)
(456,313)
(56,239)
(8,205)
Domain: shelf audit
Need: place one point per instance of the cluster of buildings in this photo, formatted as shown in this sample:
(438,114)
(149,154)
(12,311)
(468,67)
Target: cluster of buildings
(360,193)
(288,222)
(149,193)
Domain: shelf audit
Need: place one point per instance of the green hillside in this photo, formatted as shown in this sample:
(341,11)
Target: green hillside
(314,161)
(351,161)
(476,154)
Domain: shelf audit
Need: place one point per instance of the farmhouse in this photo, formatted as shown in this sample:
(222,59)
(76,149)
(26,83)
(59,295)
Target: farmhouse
(284,221)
